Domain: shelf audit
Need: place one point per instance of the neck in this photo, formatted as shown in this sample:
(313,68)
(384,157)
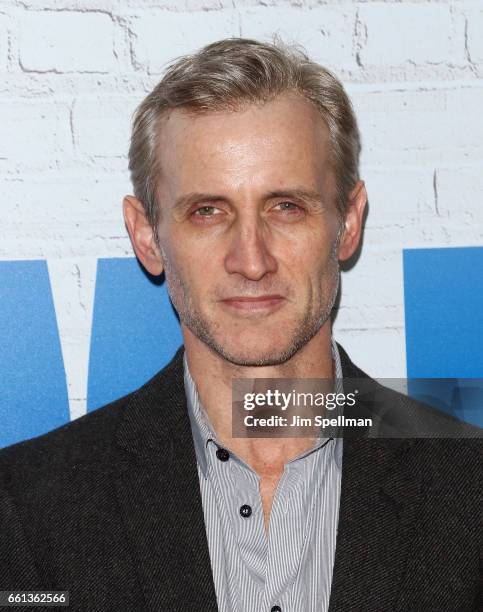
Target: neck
(213,376)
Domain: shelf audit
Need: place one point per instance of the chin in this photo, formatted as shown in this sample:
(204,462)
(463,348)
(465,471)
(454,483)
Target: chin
(243,353)
(251,345)
(259,360)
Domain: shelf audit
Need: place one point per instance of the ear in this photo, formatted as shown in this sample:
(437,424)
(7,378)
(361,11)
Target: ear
(142,235)
(353,221)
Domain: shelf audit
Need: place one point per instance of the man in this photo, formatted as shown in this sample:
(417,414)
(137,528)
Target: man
(244,161)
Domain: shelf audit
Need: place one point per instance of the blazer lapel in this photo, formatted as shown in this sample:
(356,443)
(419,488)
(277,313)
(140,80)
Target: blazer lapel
(379,501)
(159,496)
(380,496)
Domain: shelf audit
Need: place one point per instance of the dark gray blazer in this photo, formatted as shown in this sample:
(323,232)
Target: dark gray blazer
(108,507)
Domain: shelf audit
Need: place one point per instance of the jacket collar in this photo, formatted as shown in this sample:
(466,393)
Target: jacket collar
(381,492)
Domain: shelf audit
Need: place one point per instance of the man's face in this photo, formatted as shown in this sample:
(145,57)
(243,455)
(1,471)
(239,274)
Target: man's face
(248,227)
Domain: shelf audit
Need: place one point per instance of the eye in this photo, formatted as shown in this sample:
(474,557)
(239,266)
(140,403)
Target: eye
(206,211)
(288,206)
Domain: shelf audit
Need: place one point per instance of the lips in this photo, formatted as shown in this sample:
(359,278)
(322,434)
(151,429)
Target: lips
(245,298)
(254,303)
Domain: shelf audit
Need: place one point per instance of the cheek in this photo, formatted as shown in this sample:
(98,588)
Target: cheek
(175,256)
(322,272)
(313,259)
(190,276)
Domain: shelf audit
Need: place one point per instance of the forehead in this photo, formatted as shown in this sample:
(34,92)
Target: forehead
(281,141)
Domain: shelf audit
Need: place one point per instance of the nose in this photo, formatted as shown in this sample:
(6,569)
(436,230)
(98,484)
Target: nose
(249,250)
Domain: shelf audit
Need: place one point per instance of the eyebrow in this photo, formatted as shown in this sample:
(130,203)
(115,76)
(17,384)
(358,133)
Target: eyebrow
(312,197)
(187,200)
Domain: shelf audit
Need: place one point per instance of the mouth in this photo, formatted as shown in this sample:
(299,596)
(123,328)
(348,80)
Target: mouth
(260,304)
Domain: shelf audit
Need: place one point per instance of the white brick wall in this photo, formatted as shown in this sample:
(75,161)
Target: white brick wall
(114,113)
(66,41)
(73,71)
(402,33)
(3,42)
(34,134)
(475,33)
(325,32)
(158,37)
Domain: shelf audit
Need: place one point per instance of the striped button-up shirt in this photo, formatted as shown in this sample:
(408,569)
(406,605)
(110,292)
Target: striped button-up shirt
(291,567)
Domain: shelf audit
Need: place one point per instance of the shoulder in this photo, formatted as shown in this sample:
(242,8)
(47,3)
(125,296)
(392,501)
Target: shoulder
(400,415)
(87,443)
(85,440)
(441,448)
(395,413)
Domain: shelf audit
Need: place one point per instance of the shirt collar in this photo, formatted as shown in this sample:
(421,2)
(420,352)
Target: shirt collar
(203,432)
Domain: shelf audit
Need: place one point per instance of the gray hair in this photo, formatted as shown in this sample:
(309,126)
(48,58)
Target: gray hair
(226,74)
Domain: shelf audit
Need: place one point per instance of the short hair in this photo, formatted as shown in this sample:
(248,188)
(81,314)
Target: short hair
(225,75)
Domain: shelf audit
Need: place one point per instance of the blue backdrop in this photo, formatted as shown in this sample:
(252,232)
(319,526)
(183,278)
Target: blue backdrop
(443,294)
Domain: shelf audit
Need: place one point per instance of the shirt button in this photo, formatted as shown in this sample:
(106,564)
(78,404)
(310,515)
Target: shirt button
(246,511)
(276,609)
(222,454)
